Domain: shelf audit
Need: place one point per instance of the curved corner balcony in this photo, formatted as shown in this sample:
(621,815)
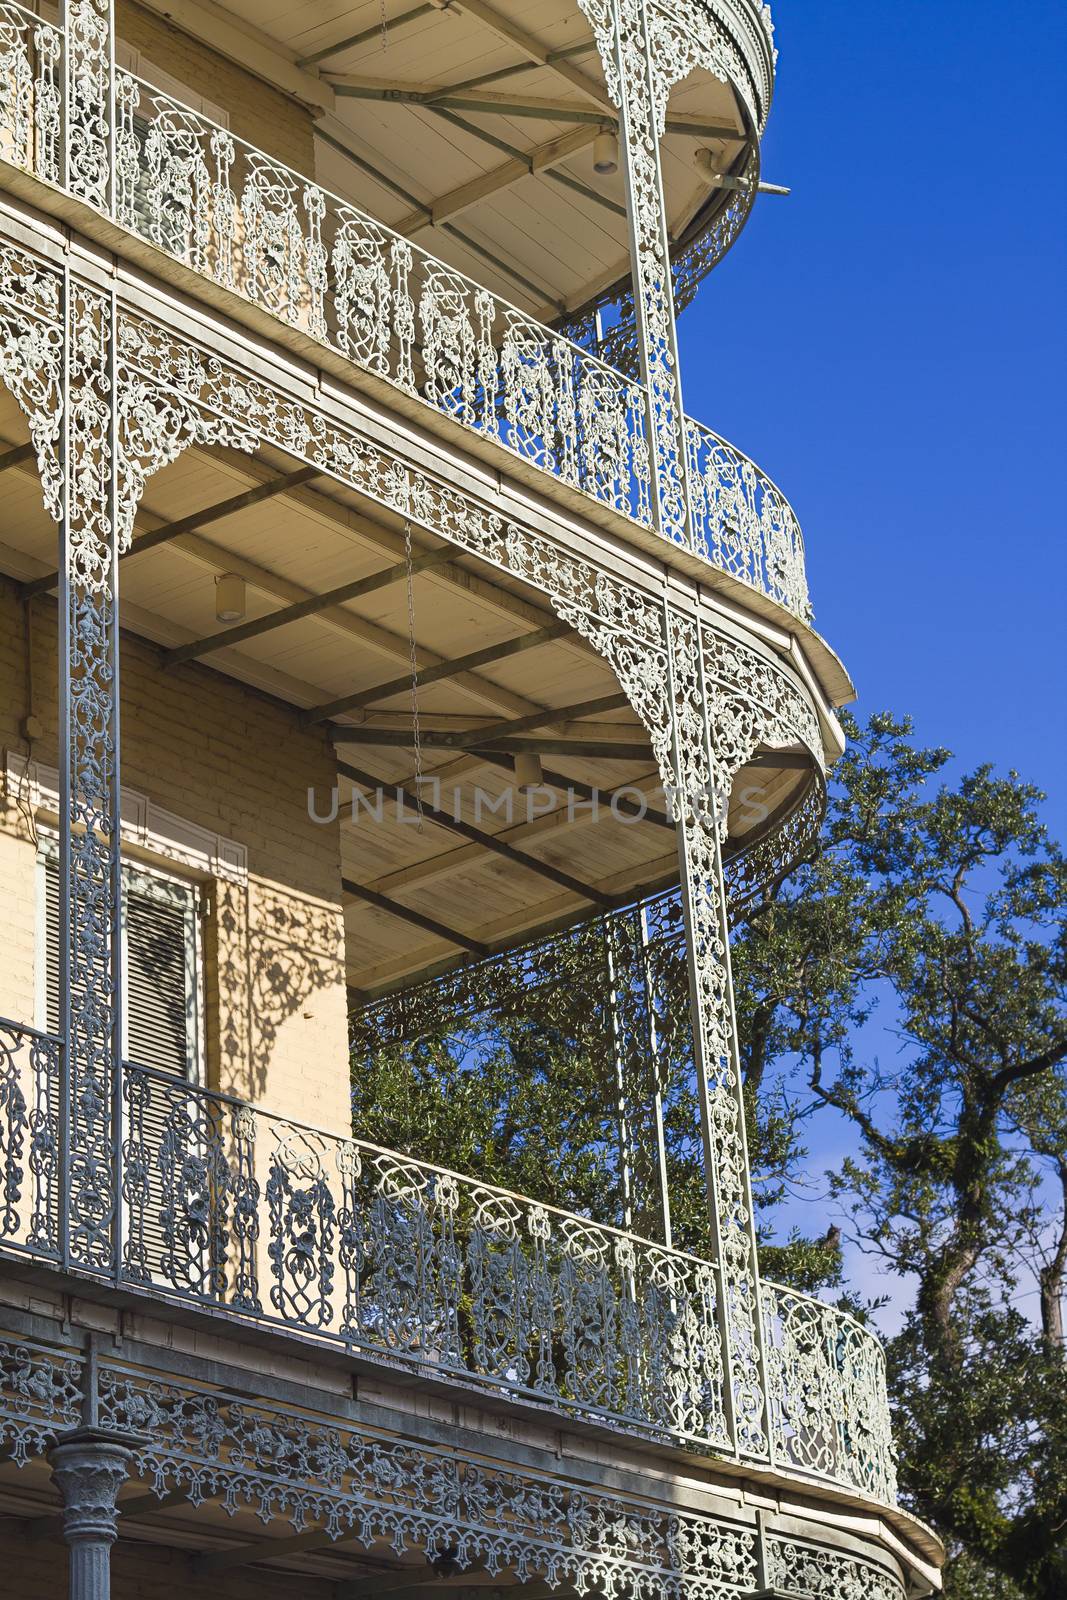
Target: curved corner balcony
(418,329)
(272,1223)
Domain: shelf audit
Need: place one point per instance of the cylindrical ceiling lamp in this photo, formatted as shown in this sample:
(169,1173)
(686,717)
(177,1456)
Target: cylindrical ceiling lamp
(229,597)
(605,153)
(528,771)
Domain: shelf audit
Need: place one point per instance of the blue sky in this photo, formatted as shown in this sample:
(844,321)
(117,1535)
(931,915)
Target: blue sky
(889,343)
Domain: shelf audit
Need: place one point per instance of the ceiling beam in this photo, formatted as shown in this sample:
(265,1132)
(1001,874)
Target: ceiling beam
(16,455)
(416,918)
(478,836)
(167,531)
(438,674)
(608,798)
(536,161)
(307,608)
(535,51)
(561,178)
(583,749)
(583,48)
(392,25)
(350,86)
(539,719)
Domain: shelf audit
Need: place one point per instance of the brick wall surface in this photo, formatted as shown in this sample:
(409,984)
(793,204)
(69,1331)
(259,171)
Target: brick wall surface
(231,760)
(257,113)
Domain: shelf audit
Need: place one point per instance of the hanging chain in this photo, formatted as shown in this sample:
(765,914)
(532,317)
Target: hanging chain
(384,26)
(416,732)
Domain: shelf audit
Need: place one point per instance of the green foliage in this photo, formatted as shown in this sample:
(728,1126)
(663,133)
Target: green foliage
(937,912)
(931,916)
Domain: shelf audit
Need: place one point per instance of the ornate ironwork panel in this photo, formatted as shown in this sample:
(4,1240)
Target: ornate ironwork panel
(89,942)
(316,1469)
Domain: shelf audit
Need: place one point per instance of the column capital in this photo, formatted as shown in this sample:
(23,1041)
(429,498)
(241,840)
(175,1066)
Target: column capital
(89,1467)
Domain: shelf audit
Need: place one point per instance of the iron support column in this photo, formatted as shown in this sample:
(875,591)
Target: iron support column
(89,1468)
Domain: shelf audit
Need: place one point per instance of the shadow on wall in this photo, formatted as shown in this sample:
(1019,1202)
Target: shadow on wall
(275,963)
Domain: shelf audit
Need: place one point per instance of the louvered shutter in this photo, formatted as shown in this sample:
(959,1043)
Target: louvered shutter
(160,963)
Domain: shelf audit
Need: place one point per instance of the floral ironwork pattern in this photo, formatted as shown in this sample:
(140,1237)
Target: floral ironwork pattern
(394,1259)
(229,212)
(826,1377)
(89,101)
(388,1255)
(314,1468)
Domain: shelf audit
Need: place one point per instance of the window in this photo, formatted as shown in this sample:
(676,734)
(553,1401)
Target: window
(161,964)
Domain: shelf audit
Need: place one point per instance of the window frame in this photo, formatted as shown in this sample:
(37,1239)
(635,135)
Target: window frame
(149,881)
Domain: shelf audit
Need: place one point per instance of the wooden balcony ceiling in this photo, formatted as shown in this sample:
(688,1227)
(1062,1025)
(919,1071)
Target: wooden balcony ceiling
(326,630)
(482,153)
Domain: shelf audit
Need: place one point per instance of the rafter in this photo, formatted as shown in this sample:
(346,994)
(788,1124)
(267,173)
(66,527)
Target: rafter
(351,86)
(15,455)
(310,607)
(517,156)
(352,40)
(531,47)
(428,925)
(587,791)
(540,719)
(400,739)
(438,674)
(584,47)
(478,836)
(167,531)
(539,160)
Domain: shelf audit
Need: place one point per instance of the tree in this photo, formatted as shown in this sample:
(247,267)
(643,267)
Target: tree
(930,915)
(942,909)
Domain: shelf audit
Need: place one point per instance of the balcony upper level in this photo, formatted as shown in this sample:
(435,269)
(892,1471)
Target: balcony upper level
(473,342)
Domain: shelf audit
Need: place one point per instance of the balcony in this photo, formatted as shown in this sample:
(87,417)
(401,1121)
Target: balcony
(414,329)
(228,1208)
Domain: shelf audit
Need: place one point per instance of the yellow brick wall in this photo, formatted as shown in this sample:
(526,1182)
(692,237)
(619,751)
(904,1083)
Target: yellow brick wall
(257,113)
(238,763)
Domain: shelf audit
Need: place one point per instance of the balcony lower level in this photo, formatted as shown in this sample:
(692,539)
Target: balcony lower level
(325,1239)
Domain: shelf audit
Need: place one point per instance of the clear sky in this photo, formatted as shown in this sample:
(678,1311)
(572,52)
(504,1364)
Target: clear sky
(889,343)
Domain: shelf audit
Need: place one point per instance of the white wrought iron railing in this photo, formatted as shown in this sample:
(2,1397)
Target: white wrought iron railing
(227,1206)
(256,227)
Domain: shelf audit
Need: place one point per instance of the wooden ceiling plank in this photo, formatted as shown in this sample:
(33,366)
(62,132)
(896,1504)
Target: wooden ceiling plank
(377,536)
(538,160)
(446,669)
(516,155)
(534,50)
(167,531)
(369,633)
(355,39)
(305,608)
(406,914)
(478,836)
